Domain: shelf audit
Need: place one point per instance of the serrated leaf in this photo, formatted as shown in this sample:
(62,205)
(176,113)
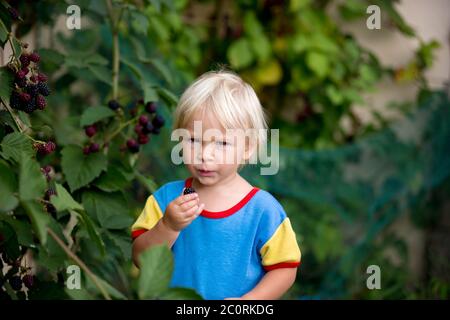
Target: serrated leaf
(94,114)
(110,209)
(81,169)
(63,200)
(156,265)
(8,186)
(6,81)
(39,219)
(14,144)
(32,183)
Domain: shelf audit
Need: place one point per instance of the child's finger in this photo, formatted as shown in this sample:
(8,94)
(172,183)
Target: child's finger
(182,199)
(199,210)
(188,205)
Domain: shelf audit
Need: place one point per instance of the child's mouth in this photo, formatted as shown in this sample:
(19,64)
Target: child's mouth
(205,173)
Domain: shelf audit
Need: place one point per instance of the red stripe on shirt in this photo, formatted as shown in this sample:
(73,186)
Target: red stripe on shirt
(137,233)
(282,265)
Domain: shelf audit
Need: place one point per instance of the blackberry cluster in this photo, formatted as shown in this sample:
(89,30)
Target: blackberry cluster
(145,127)
(30,85)
(45,148)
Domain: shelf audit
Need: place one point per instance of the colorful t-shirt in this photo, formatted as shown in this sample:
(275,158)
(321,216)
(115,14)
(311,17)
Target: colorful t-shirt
(225,254)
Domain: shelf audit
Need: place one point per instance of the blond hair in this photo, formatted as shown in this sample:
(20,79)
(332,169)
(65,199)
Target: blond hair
(230,99)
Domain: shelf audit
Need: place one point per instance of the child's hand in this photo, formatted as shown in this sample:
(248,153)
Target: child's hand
(182,211)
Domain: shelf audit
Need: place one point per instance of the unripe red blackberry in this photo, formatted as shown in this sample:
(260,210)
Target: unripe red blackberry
(150,107)
(40,102)
(138,129)
(21,74)
(49,193)
(143,139)
(33,78)
(94,148)
(42,77)
(86,150)
(24,60)
(132,145)
(90,131)
(143,120)
(34,57)
(25,97)
(26,70)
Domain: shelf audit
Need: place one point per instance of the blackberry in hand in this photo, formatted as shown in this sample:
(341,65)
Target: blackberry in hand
(189,190)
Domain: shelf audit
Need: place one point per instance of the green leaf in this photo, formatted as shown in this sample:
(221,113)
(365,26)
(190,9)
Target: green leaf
(239,54)
(97,59)
(133,67)
(112,180)
(93,114)
(110,209)
(156,270)
(14,144)
(39,218)
(92,230)
(318,63)
(169,97)
(81,169)
(6,81)
(8,186)
(22,229)
(3,32)
(32,183)
(139,22)
(17,47)
(149,182)
(101,73)
(63,200)
(180,294)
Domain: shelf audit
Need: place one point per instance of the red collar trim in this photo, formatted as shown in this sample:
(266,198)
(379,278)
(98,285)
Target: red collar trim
(228,212)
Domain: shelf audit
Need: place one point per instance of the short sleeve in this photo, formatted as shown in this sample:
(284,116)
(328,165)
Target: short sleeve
(278,246)
(148,218)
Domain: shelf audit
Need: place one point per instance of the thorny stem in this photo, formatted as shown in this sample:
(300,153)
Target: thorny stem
(82,265)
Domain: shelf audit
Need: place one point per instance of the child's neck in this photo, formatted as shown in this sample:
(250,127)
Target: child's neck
(232,182)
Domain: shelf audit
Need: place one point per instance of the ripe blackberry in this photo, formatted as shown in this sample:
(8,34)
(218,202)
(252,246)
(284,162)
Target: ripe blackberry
(43,89)
(21,83)
(14,100)
(189,190)
(90,131)
(28,281)
(143,139)
(132,145)
(29,106)
(156,130)
(113,105)
(33,89)
(40,102)
(150,107)
(143,120)
(94,148)
(148,128)
(50,208)
(158,121)
(16,283)
(33,78)
(34,57)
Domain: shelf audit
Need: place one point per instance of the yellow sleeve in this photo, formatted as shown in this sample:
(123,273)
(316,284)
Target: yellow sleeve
(281,250)
(148,218)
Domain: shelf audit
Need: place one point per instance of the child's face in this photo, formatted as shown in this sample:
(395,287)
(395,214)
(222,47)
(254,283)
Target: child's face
(212,154)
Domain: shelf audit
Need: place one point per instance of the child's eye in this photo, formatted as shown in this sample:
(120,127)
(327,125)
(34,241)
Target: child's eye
(193,140)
